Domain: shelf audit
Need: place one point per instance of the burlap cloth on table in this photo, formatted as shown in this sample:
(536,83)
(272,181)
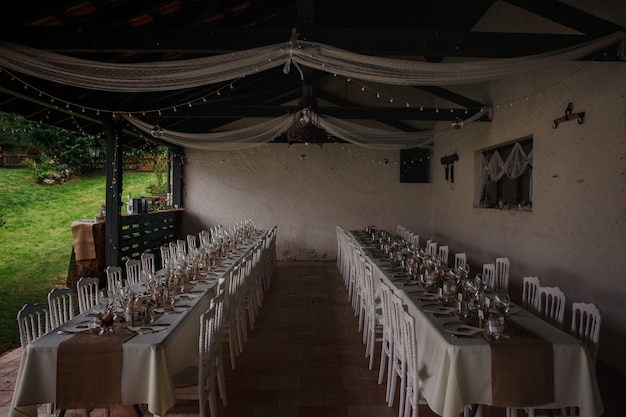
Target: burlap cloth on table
(522,369)
(84,245)
(89,371)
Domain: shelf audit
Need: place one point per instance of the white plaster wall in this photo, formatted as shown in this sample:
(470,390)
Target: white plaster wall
(575,236)
(305,190)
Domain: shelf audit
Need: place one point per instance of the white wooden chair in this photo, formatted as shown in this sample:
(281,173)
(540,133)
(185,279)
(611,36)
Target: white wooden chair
(148,262)
(415,240)
(551,305)
(431,249)
(489,273)
(165,255)
(586,320)
(181,247)
(235,334)
(530,293)
(218,303)
(87,290)
(61,306)
(386,350)
(115,280)
(192,245)
(442,254)
(412,396)
(33,321)
(501,276)
(133,272)
(204,390)
(372,327)
(460,260)
(399,355)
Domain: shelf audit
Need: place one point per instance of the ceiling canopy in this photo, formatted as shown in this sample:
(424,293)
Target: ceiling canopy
(201,65)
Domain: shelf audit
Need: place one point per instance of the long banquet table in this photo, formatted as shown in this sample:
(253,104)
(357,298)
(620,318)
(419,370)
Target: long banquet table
(456,371)
(149,360)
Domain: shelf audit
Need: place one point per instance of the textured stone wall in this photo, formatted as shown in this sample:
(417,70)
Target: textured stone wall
(305,190)
(575,235)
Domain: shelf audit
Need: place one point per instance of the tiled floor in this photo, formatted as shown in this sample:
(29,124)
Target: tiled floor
(304,358)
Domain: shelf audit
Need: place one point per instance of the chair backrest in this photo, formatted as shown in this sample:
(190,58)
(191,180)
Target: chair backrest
(530,293)
(165,255)
(410,347)
(192,243)
(181,247)
(61,306)
(415,240)
(397,309)
(173,250)
(501,277)
(489,273)
(385,304)
(206,359)
(33,321)
(133,271)
(431,248)
(551,305)
(87,289)
(586,321)
(115,280)
(218,302)
(147,262)
(460,259)
(442,254)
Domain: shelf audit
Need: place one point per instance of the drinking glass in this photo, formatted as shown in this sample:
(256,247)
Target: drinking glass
(503,303)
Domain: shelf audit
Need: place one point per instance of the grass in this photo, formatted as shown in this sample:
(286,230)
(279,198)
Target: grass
(36,242)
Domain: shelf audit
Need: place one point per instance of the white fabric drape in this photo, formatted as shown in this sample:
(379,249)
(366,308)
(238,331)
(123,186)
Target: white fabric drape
(264,132)
(494,168)
(174,75)
(231,140)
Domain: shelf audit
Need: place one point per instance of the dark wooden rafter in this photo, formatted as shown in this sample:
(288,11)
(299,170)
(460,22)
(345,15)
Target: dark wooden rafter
(568,16)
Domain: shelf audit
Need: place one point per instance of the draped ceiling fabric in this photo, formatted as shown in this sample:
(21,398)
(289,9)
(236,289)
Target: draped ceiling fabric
(253,136)
(174,75)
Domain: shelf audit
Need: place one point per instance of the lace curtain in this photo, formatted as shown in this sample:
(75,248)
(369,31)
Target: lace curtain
(494,168)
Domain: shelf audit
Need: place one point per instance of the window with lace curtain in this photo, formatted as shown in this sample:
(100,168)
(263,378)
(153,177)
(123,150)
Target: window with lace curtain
(504,176)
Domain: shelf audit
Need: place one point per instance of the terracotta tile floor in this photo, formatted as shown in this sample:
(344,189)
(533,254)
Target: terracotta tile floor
(304,358)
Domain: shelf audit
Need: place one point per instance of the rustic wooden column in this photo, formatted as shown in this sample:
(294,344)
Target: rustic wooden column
(176,156)
(113,168)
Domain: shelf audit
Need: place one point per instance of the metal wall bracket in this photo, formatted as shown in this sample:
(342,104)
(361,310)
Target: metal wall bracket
(569,116)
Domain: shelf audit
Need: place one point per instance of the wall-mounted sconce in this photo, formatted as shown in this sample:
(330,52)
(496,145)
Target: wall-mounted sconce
(448,163)
(569,116)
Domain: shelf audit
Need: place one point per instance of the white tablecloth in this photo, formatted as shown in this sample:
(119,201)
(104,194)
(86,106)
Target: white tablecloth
(149,360)
(457,371)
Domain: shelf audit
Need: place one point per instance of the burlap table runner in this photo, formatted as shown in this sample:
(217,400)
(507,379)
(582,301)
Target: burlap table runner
(89,370)
(522,369)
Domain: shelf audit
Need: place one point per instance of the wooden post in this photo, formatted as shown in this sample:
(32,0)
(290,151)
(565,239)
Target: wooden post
(114,198)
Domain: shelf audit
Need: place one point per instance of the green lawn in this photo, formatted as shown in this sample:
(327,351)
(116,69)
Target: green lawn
(36,245)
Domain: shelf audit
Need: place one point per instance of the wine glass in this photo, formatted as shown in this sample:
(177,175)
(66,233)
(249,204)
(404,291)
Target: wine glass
(503,303)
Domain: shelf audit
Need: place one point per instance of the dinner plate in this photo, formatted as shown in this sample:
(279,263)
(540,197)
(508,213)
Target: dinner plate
(427,296)
(440,310)
(77,327)
(147,329)
(188,295)
(170,309)
(463,330)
